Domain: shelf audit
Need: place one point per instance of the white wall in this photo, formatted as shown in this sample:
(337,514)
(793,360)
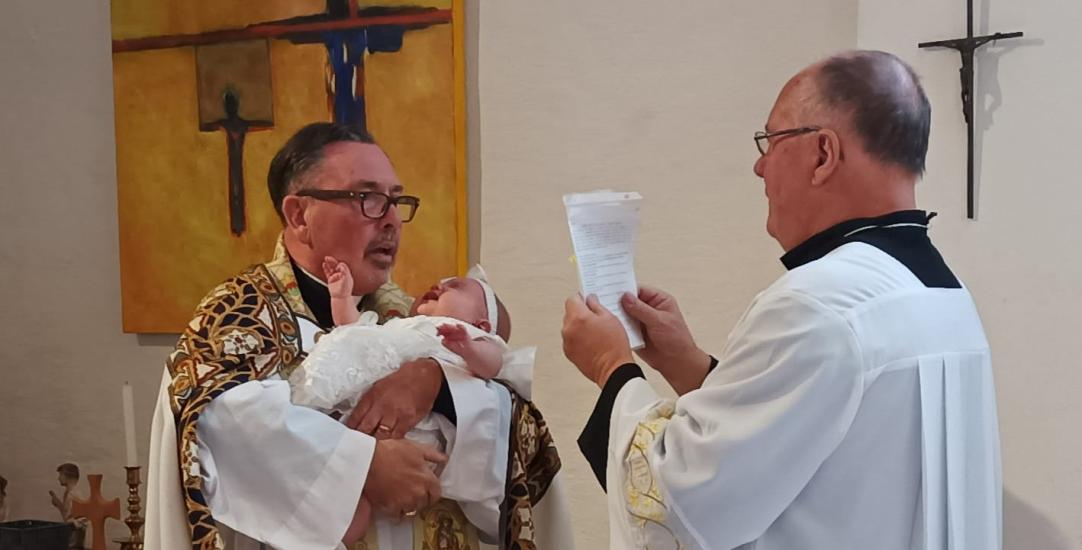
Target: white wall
(1020,258)
(63,356)
(659,98)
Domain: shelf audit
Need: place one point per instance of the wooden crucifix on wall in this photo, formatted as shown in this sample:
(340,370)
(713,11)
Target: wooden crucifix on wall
(967,48)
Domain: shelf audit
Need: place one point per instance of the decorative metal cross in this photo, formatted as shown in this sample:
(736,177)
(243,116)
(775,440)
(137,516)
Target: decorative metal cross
(97,510)
(967,47)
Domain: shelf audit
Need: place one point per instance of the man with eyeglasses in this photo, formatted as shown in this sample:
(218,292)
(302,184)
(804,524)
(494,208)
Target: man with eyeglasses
(234,462)
(852,406)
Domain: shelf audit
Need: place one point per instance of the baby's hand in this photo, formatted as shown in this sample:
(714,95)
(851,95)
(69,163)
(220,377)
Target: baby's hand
(452,333)
(456,339)
(483,359)
(339,278)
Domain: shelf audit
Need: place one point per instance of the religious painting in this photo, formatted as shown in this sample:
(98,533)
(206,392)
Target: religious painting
(207,91)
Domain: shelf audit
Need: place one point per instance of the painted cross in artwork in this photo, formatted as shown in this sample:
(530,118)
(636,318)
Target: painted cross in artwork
(206,91)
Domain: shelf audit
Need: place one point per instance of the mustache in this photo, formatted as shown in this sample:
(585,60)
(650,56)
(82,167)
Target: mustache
(387,240)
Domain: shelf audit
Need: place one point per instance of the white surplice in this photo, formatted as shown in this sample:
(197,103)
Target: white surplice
(853,408)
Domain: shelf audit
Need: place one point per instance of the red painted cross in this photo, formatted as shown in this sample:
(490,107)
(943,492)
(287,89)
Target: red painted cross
(97,510)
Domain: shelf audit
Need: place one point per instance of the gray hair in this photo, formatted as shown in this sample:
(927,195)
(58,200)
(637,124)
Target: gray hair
(883,100)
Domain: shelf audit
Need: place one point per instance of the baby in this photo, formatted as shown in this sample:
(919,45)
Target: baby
(458,322)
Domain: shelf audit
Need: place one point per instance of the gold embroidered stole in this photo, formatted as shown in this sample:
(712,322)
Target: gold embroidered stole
(532,465)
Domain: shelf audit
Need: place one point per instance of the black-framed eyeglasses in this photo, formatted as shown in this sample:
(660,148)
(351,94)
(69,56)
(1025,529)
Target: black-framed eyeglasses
(373,203)
(762,139)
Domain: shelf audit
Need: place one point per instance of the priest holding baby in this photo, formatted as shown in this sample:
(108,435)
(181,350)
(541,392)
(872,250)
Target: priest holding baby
(437,451)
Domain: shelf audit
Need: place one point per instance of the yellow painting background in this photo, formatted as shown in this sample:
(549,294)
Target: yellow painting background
(172,179)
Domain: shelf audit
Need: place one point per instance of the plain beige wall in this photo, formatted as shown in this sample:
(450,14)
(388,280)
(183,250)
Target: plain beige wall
(1020,258)
(632,95)
(63,357)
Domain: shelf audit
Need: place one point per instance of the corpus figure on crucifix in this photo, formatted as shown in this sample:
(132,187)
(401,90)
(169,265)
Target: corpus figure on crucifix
(967,48)
(235,96)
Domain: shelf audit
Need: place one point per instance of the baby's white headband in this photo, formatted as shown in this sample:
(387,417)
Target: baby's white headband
(478,274)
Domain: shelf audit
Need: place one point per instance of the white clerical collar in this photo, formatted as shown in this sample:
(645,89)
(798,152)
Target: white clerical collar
(822,243)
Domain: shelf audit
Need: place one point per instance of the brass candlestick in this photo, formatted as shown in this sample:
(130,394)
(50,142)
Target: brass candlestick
(134,520)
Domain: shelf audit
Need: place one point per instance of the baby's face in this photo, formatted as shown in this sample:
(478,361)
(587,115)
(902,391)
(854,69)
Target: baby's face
(459,298)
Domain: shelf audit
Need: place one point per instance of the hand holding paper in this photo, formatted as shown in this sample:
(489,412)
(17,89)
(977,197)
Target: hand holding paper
(594,339)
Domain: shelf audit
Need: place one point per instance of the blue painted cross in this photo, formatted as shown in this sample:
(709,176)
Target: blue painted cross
(346,49)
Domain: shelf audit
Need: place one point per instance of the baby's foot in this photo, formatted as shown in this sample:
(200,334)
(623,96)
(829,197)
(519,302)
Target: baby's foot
(339,278)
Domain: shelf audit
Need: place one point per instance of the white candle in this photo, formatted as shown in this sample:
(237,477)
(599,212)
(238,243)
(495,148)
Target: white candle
(129,426)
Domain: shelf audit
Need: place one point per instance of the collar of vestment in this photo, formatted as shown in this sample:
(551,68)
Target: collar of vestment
(282,270)
(824,242)
(317,297)
(902,235)
(312,297)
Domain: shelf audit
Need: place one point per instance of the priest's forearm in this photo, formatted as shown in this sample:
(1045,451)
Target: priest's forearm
(362,519)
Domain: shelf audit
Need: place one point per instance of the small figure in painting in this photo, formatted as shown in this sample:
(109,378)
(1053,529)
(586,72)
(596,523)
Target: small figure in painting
(68,477)
(446,537)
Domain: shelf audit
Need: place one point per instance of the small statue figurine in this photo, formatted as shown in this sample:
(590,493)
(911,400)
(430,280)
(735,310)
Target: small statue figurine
(68,477)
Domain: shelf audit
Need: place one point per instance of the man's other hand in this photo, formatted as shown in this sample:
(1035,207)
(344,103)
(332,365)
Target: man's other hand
(669,348)
(594,339)
(400,480)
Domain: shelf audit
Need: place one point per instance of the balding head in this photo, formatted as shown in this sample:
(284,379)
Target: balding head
(881,100)
(846,139)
